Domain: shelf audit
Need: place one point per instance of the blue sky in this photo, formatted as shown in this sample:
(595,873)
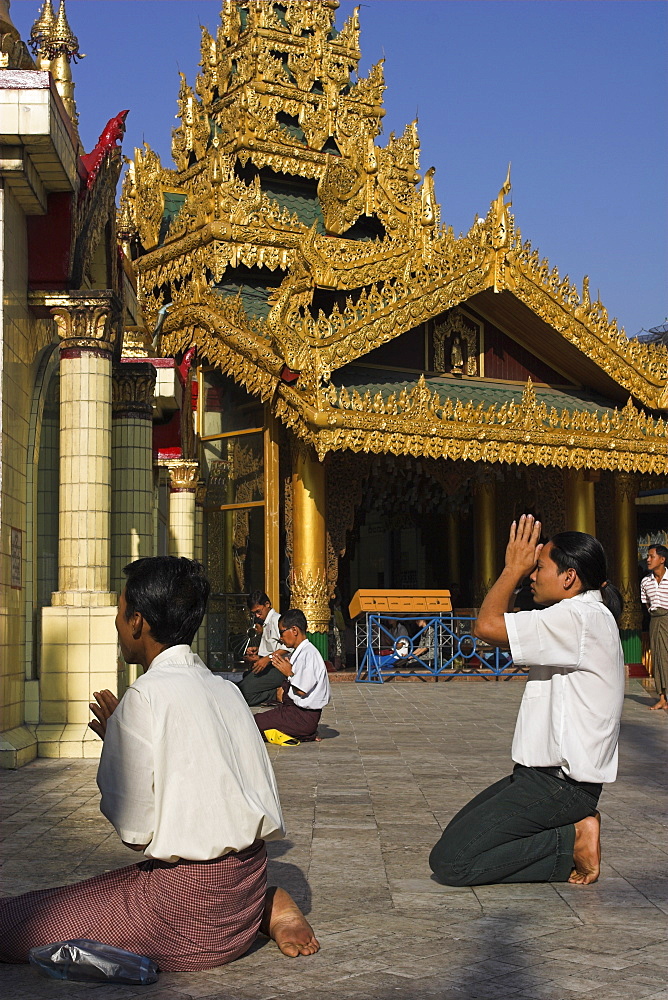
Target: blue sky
(573,92)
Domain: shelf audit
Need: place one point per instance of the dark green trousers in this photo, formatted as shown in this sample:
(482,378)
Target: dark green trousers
(521,829)
(258,688)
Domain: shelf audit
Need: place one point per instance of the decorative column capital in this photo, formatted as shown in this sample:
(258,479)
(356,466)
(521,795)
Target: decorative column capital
(183,475)
(132,390)
(84,320)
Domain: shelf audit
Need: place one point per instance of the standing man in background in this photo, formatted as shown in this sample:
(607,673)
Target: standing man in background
(262,680)
(654,595)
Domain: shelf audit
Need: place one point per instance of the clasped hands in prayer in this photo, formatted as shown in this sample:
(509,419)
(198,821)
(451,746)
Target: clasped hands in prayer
(102,708)
(523,546)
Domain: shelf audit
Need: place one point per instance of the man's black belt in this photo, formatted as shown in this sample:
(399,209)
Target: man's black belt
(558,772)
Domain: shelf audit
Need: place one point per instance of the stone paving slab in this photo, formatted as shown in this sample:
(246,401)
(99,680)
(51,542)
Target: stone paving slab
(363,809)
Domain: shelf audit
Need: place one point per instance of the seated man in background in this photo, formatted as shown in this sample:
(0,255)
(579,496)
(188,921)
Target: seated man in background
(305,683)
(260,683)
(185,779)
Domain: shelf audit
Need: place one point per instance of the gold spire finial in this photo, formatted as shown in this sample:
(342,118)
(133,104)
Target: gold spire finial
(63,40)
(55,46)
(41,29)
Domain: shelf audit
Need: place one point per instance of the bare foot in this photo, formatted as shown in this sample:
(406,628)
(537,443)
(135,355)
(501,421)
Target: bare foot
(587,850)
(285,923)
(661,703)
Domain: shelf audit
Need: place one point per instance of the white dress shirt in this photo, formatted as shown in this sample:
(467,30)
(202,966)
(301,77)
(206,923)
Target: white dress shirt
(271,637)
(654,593)
(184,768)
(309,674)
(572,703)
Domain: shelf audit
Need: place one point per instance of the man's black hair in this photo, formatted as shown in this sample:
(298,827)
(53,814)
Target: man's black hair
(585,554)
(170,593)
(660,550)
(293,618)
(257,597)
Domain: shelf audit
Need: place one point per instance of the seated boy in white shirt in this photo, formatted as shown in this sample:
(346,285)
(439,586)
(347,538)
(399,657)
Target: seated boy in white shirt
(306,688)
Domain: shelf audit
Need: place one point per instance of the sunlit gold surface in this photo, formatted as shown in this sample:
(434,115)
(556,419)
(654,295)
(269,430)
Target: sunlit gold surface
(309,544)
(304,116)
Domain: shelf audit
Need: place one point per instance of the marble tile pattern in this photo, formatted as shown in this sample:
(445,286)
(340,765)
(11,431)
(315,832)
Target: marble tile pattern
(363,809)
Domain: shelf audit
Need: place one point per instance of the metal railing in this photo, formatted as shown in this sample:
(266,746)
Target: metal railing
(451,650)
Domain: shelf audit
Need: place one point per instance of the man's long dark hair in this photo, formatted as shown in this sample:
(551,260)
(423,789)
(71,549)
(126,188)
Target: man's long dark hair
(585,554)
(170,593)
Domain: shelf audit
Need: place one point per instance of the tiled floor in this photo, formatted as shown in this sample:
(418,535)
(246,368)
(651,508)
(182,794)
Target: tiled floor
(364,808)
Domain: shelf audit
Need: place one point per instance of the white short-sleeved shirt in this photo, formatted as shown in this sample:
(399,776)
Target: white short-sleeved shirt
(572,703)
(654,593)
(309,674)
(184,768)
(271,637)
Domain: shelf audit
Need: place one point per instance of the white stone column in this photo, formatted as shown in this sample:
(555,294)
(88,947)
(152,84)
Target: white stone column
(182,490)
(79,647)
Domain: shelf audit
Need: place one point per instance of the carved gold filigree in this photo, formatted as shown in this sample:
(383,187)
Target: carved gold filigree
(418,422)
(310,594)
(276,91)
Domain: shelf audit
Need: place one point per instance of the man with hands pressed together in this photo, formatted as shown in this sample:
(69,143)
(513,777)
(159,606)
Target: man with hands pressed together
(185,779)
(305,686)
(541,823)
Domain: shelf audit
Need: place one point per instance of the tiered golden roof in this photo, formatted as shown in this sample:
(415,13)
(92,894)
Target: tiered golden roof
(278,98)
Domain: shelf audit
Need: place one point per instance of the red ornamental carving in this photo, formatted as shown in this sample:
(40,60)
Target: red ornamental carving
(112,135)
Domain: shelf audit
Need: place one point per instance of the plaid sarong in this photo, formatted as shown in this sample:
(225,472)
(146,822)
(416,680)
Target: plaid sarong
(185,916)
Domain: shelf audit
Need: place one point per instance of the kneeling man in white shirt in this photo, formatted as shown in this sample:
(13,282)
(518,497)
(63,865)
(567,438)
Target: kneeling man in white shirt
(540,824)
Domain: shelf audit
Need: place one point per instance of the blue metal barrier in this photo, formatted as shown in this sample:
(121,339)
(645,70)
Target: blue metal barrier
(451,650)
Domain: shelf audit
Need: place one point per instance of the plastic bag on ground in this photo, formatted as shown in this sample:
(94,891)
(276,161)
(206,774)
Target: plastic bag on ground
(91,961)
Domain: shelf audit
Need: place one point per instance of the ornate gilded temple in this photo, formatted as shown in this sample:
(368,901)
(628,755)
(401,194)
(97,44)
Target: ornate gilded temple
(375,397)
(295,370)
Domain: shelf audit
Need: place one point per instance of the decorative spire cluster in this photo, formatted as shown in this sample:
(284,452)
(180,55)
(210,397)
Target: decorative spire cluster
(55,46)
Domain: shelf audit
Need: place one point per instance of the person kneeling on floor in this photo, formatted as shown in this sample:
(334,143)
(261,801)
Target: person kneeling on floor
(306,686)
(185,779)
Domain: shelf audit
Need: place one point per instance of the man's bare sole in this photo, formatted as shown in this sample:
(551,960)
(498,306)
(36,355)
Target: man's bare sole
(661,703)
(587,851)
(285,924)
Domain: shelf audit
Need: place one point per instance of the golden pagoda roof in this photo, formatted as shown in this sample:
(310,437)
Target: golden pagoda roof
(277,105)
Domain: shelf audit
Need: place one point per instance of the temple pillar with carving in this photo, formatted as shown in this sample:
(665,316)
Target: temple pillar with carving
(484,524)
(626,564)
(580,504)
(131,476)
(183,482)
(309,544)
(78,641)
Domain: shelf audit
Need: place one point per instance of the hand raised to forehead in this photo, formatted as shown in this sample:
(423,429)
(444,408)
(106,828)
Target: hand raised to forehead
(523,546)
